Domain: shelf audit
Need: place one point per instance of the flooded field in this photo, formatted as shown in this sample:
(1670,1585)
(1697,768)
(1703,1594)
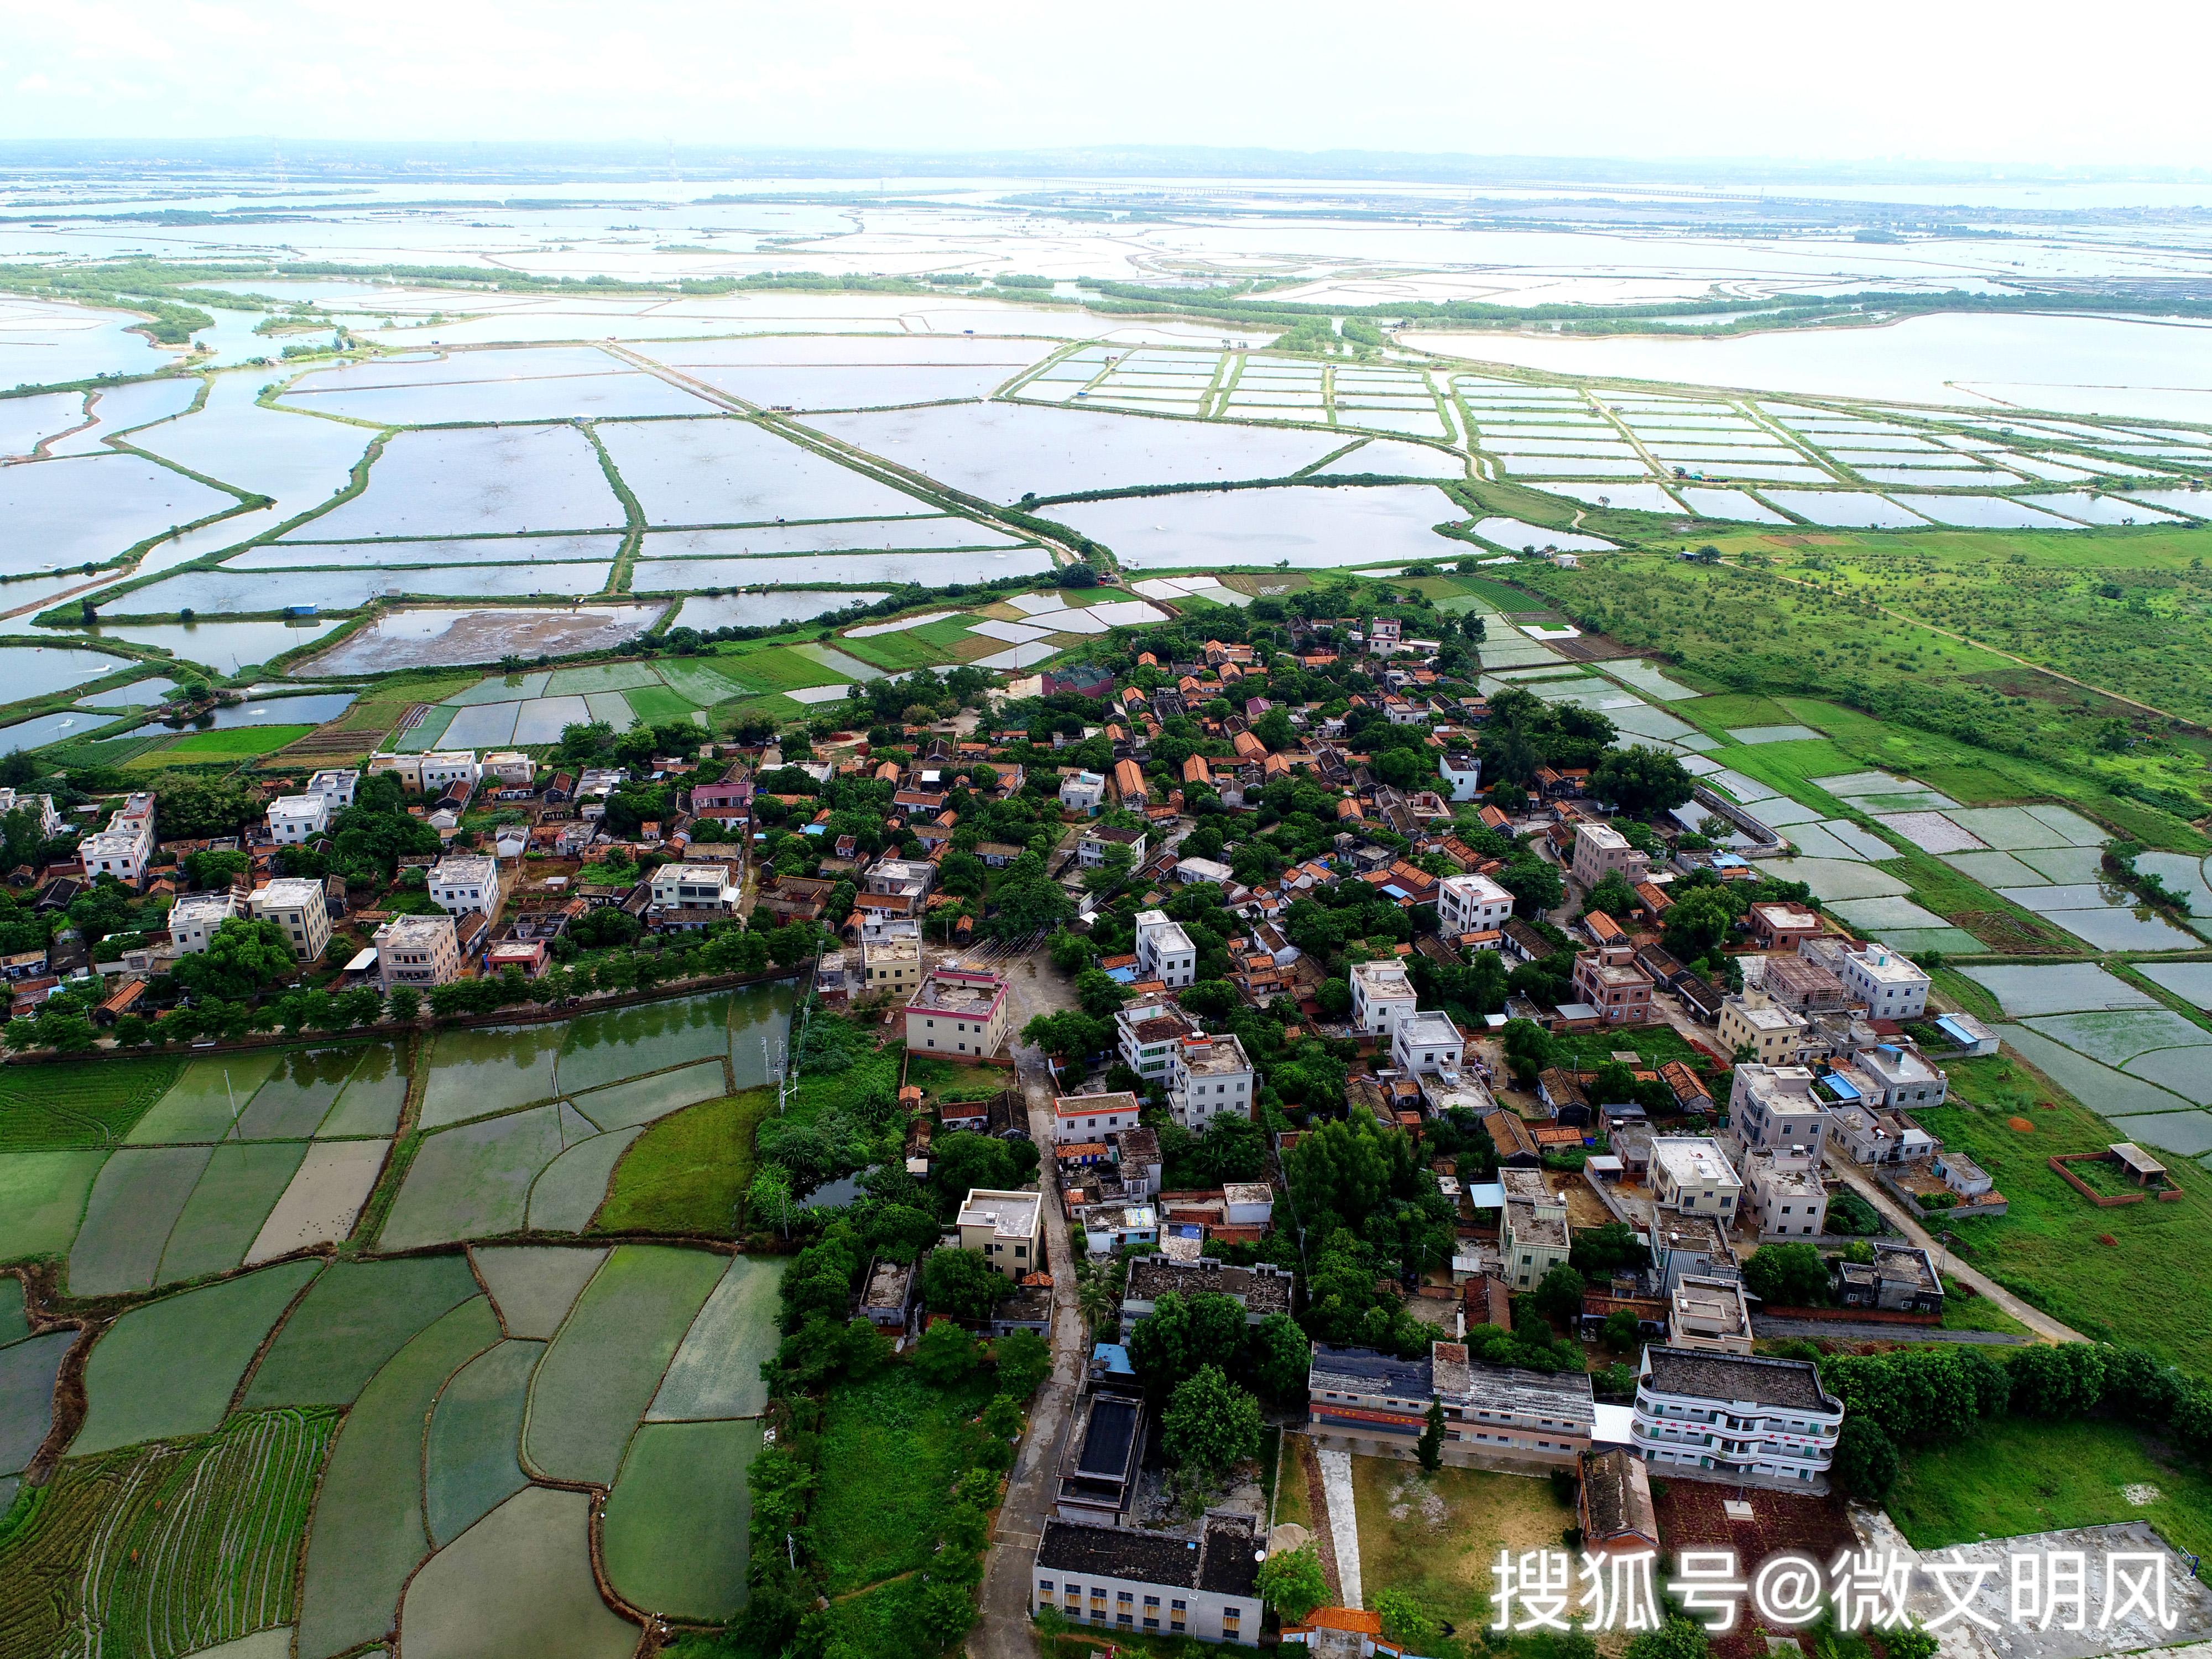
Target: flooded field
(426,638)
(68,511)
(477,481)
(727,471)
(1309,528)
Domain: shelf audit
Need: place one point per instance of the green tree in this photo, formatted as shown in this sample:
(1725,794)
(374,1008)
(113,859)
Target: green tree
(961,1284)
(1280,1357)
(1678,1638)
(1613,895)
(1291,1582)
(1210,1424)
(1642,780)
(1429,1447)
(1622,1329)
(945,1355)
(406,1004)
(1407,1623)
(1559,1294)
(1787,1275)
(768,1198)
(1865,1462)
(1025,1360)
(1699,922)
(243,956)
(1184,1334)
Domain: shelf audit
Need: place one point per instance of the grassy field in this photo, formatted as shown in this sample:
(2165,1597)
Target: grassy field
(775,668)
(2152,1285)
(1786,632)
(893,1443)
(656,705)
(1293,1501)
(90,1103)
(236,743)
(913,647)
(688,1172)
(940,1080)
(2015,1475)
(1435,1536)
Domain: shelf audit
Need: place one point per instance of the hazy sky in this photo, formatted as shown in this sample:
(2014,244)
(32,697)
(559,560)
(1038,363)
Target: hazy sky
(1878,79)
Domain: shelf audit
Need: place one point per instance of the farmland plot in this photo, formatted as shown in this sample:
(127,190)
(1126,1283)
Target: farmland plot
(533,1286)
(356,1317)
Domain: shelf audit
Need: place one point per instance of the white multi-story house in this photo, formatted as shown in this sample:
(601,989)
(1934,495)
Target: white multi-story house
(462,882)
(509,769)
(1889,986)
(1470,904)
(295,904)
(194,918)
(1461,773)
(1902,1077)
(429,773)
(1080,1118)
(1091,846)
(1082,792)
(1147,1031)
(1785,1194)
(1771,1108)
(122,849)
(1532,1238)
(1724,1417)
(50,817)
(294,820)
(694,887)
(1208,1076)
(1165,951)
(1382,995)
(417,951)
(1002,1227)
(1426,1043)
(1689,1174)
(334,787)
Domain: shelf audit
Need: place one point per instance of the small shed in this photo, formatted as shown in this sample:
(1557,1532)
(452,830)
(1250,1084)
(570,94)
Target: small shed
(2139,1163)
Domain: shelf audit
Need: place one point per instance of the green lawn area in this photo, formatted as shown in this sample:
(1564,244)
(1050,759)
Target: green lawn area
(2152,1285)
(2014,1475)
(687,1173)
(892,1446)
(775,668)
(656,705)
(1293,1503)
(1965,1312)
(1436,1536)
(1656,1043)
(915,648)
(237,743)
(941,1079)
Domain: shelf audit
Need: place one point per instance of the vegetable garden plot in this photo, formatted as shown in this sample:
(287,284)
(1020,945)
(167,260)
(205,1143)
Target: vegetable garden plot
(469,1458)
(167,1550)
(357,1316)
(323,1200)
(518,1582)
(79,1103)
(603,1370)
(368,1534)
(170,1367)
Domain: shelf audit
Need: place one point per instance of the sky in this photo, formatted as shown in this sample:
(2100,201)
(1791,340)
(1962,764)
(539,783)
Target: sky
(1880,80)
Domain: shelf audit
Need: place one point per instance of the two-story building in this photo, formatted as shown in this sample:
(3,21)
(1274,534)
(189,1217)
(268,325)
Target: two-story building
(1495,1416)
(957,1011)
(462,882)
(122,849)
(1471,903)
(294,820)
(1689,1174)
(1608,979)
(1889,986)
(1084,793)
(194,918)
(1090,848)
(694,887)
(1077,1118)
(1462,772)
(1425,1042)
(889,965)
(23,800)
(1532,1233)
(1124,1578)
(1773,1034)
(1003,1228)
(1708,1314)
(1786,1195)
(1730,1416)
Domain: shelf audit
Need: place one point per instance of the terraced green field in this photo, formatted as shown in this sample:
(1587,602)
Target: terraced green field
(93,1103)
